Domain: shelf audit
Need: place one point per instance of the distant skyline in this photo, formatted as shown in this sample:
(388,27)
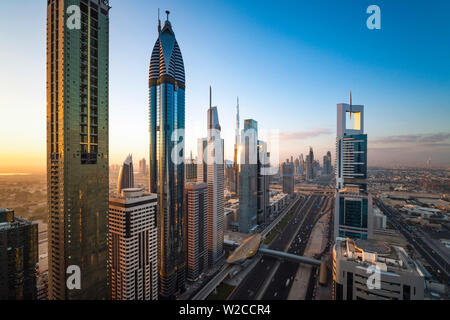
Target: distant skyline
(290,63)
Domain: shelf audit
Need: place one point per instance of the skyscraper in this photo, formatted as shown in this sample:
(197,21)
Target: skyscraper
(143,166)
(353,206)
(167,123)
(351,147)
(248,201)
(237,143)
(310,165)
(77,146)
(133,246)
(215,181)
(190,169)
(327,168)
(197,230)
(126,175)
(288,178)
(263,193)
(202,168)
(18,257)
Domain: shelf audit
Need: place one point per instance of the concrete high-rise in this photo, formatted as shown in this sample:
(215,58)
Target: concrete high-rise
(197,230)
(215,180)
(167,123)
(125,179)
(77,146)
(202,168)
(133,246)
(287,171)
(143,166)
(18,257)
(248,200)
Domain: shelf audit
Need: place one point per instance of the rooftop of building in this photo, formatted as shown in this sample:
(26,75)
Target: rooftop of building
(388,257)
(132,195)
(8,220)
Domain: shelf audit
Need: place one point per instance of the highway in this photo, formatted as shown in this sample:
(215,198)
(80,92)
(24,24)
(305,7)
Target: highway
(281,283)
(250,287)
(416,240)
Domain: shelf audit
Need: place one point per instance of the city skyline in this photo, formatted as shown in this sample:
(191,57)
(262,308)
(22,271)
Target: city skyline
(265,211)
(392,83)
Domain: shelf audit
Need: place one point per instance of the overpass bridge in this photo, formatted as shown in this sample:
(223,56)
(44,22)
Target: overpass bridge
(249,247)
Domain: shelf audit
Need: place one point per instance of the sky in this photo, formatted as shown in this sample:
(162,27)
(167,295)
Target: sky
(290,63)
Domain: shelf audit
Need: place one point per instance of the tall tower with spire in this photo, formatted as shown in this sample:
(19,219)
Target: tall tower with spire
(353,204)
(237,140)
(125,179)
(167,123)
(215,180)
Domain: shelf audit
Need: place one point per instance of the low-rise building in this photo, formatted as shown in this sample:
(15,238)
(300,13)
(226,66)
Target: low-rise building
(374,270)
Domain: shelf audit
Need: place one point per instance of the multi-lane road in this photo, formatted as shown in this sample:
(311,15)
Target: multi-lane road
(416,240)
(281,283)
(258,283)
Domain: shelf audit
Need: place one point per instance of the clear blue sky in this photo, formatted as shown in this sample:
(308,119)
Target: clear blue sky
(289,62)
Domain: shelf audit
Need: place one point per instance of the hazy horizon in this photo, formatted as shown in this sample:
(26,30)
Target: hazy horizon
(289,63)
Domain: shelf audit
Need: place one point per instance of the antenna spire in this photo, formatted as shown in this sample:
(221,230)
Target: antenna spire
(237,114)
(159,24)
(167,13)
(210,97)
(350,102)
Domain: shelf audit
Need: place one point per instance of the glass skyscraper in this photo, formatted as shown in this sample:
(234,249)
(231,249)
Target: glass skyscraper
(248,184)
(18,257)
(77,146)
(167,109)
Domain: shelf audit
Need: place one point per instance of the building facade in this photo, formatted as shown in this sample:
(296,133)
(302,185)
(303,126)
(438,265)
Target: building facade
(18,257)
(167,123)
(310,165)
(237,150)
(133,246)
(287,169)
(353,215)
(197,230)
(215,181)
(202,168)
(353,205)
(143,166)
(370,270)
(263,180)
(190,169)
(351,147)
(248,174)
(327,166)
(77,146)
